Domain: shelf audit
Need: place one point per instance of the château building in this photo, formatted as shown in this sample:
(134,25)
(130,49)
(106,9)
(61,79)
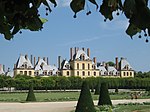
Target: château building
(80,64)
(26,66)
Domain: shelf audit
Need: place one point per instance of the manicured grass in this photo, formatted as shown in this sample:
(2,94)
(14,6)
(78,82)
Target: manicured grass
(132,108)
(56,96)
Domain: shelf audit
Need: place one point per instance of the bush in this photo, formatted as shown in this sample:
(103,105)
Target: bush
(85,102)
(31,96)
(104,98)
(97,89)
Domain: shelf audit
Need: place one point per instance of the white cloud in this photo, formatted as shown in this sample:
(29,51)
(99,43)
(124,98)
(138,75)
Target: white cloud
(80,41)
(63,3)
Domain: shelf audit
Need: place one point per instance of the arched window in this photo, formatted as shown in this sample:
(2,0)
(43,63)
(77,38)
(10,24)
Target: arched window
(83,66)
(77,73)
(68,73)
(130,73)
(94,73)
(78,66)
(83,73)
(88,66)
(88,73)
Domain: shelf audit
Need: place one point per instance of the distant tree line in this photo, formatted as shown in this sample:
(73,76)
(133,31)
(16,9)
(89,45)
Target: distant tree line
(22,82)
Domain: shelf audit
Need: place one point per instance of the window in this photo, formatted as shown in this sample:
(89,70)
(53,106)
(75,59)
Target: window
(21,72)
(99,73)
(78,66)
(94,73)
(130,73)
(89,66)
(83,66)
(127,73)
(30,73)
(83,57)
(83,73)
(124,73)
(25,72)
(88,73)
(68,73)
(45,73)
(77,73)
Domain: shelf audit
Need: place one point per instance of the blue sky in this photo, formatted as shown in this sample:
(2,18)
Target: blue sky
(106,40)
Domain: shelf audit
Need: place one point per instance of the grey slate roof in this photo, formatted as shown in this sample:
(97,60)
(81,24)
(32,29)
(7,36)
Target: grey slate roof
(23,61)
(43,66)
(124,64)
(79,53)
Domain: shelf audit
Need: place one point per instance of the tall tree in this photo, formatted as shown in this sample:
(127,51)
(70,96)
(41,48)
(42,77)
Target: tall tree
(104,98)
(31,96)
(85,102)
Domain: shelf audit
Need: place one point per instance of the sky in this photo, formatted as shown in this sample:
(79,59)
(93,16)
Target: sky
(106,40)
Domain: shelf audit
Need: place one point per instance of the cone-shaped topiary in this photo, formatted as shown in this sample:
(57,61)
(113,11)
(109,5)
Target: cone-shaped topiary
(31,96)
(104,98)
(85,102)
(97,89)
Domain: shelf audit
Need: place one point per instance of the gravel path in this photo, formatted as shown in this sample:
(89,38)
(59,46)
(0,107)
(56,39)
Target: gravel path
(52,106)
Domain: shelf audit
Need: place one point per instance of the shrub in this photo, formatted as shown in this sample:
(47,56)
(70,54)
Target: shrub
(31,96)
(104,98)
(85,102)
(97,89)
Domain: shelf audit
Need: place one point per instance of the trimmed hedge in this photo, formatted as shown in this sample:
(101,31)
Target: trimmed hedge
(31,96)
(104,98)
(85,102)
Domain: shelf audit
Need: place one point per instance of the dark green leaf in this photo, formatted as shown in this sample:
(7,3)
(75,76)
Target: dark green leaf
(132,30)
(34,24)
(105,10)
(129,8)
(16,29)
(77,5)
(149,31)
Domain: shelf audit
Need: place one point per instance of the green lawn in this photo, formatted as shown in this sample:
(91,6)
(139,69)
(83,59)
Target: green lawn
(132,108)
(56,96)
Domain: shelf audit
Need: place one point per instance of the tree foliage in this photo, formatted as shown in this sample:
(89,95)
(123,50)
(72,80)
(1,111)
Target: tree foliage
(25,14)
(104,98)
(31,96)
(85,102)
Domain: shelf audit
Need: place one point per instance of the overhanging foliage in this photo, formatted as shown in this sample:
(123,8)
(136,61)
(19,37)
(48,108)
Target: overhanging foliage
(24,14)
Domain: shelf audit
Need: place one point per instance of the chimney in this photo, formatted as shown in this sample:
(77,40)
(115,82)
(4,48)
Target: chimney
(59,62)
(71,53)
(94,60)
(3,68)
(0,67)
(38,59)
(47,61)
(88,52)
(44,58)
(32,59)
(75,50)
(15,66)
(83,48)
(117,64)
(26,56)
